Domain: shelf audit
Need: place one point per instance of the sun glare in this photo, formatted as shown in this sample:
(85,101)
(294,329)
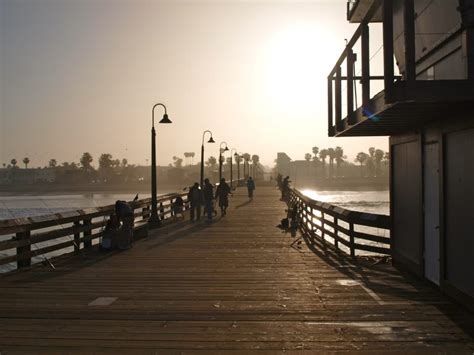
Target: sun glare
(296,64)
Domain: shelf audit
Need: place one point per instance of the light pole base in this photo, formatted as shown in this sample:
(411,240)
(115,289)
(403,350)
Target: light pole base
(154,222)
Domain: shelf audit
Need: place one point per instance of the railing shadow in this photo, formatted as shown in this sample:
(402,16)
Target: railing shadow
(369,275)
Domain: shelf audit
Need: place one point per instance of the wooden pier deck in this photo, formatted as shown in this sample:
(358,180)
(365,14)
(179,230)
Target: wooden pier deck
(234,286)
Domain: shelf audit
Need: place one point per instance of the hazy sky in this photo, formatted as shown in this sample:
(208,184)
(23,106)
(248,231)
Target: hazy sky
(82,75)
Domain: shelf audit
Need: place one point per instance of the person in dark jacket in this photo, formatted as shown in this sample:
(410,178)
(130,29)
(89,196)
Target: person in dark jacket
(208,195)
(250,187)
(124,213)
(195,200)
(222,192)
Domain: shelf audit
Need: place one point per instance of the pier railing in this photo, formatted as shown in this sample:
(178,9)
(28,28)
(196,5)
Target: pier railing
(352,232)
(33,239)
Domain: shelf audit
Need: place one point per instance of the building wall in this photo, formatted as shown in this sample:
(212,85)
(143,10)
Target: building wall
(459,207)
(406,201)
(435,21)
(455,138)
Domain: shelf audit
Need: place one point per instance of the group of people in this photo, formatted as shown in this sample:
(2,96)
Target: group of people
(198,197)
(284,186)
(118,232)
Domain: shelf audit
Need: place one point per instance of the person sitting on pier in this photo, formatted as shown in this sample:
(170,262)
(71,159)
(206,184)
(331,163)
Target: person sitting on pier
(124,213)
(279,180)
(208,195)
(177,207)
(222,192)
(195,200)
(109,238)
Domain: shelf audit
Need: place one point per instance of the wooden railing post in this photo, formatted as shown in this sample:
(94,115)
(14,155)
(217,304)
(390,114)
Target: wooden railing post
(351,238)
(87,233)
(77,238)
(23,249)
(322,226)
(146,212)
(336,243)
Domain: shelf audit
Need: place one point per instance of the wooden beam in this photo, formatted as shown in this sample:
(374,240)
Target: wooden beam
(409,27)
(365,64)
(350,85)
(330,110)
(338,95)
(388,48)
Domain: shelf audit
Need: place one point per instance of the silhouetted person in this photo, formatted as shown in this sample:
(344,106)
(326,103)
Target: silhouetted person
(124,213)
(250,187)
(208,195)
(195,199)
(109,238)
(285,188)
(222,192)
(177,206)
(279,180)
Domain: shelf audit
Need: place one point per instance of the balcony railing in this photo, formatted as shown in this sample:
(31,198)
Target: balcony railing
(396,89)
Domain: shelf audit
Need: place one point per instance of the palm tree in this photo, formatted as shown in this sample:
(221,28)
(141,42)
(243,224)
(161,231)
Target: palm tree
(211,162)
(315,153)
(26,161)
(13,162)
(323,154)
(52,163)
(339,155)
(124,162)
(378,156)
(105,165)
(307,157)
(86,161)
(370,162)
(361,158)
(178,162)
(332,156)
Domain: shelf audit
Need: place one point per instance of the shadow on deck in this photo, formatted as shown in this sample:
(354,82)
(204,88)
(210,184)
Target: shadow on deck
(232,285)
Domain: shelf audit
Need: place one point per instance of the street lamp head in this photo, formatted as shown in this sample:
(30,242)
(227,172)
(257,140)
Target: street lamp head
(211,140)
(165,119)
(226,149)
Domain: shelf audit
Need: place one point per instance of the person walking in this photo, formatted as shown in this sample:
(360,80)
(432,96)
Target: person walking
(222,192)
(250,187)
(208,195)
(195,199)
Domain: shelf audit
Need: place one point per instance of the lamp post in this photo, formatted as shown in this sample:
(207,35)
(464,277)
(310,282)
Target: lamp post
(154,220)
(211,140)
(220,158)
(231,163)
(239,155)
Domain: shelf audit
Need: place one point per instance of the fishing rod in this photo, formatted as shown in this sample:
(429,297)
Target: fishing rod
(35,252)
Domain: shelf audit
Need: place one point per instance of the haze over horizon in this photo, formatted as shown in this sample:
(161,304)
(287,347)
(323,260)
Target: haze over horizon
(83,76)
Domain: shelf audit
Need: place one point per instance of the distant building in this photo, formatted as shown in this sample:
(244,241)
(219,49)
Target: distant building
(12,176)
(428,113)
(283,164)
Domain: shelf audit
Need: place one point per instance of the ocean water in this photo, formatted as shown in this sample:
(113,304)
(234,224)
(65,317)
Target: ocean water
(362,201)
(35,205)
